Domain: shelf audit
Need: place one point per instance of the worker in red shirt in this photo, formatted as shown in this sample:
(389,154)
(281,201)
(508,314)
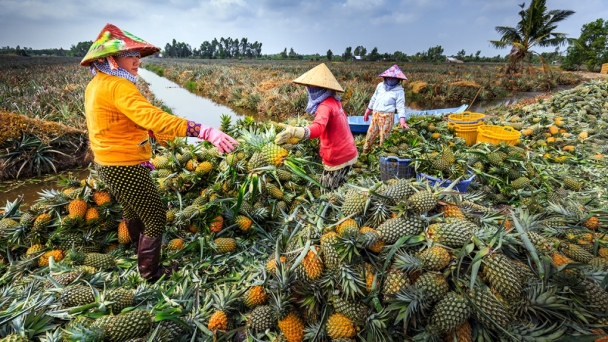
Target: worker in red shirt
(337,149)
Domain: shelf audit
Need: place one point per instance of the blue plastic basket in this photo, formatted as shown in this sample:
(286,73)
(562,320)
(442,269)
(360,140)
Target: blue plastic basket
(393,167)
(462,185)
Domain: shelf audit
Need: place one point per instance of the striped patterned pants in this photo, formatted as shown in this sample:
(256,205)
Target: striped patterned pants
(382,124)
(334,179)
(134,189)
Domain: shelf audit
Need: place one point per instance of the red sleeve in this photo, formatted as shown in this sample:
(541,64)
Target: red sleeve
(321,118)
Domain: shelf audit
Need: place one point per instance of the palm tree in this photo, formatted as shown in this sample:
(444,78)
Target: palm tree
(536,28)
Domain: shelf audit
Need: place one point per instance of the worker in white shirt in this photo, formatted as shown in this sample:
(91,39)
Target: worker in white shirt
(388,98)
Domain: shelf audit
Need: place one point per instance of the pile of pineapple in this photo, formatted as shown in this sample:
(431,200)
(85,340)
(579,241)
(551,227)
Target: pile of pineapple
(265,254)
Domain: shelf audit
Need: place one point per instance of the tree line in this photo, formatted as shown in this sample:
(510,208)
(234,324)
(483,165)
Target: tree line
(223,48)
(78,50)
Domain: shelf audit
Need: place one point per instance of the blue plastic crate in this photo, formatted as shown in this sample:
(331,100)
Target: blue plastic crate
(393,167)
(462,186)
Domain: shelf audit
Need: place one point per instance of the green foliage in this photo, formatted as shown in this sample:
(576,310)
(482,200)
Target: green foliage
(80,49)
(535,28)
(591,48)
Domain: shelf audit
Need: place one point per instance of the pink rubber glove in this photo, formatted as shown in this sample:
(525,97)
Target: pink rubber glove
(219,139)
(366,115)
(403,123)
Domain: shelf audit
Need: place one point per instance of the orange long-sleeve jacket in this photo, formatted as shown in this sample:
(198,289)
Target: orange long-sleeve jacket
(118,120)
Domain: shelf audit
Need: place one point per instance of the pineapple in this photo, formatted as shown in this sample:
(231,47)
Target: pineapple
(223,300)
(596,297)
(57,255)
(41,222)
(503,276)
(7,223)
(15,338)
(243,222)
(450,312)
(576,252)
(99,261)
(274,191)
(423,201)
(394,282)
(284,175)
(451,210)
(453,235)
(91,216)
(495,159)
(399,190)
(354,203)
(348,227)
(271,265)
(340,326)
(128,325)
(462,333)
(262,318)
(257,160)
(121,299)
(393,229)
(292,327)
(331,257)
(34,249)
(77,295)
(256,295)
(311,266)
(435,258)
(488,309)
(224,245)
(175,245)
(66,278)
(217,224)
(218,321)
(572,184)
(370,239)
(354,310)
(591,223)
(123,233)
(161,162)
(77,208)
(520,183)
(433,285)
(274,154)
(204,168)
(101,198)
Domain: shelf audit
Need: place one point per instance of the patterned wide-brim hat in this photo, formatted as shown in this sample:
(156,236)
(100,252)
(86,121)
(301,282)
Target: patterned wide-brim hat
(112,40)
(393,72)
(319,76)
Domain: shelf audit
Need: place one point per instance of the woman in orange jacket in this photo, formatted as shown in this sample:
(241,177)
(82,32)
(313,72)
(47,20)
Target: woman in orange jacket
(118,121)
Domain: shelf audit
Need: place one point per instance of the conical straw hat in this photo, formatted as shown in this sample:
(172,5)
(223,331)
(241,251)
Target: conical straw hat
(112,40)
(319,76)
(393,72)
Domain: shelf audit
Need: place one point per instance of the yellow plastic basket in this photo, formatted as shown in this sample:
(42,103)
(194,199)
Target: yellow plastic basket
(466,118)
(466,131)
(497,134)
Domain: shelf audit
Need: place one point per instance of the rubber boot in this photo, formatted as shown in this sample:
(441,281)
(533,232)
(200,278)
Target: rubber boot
(148,259)
(135,228)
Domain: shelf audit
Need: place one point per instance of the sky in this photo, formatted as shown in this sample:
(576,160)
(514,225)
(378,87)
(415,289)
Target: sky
(311,26)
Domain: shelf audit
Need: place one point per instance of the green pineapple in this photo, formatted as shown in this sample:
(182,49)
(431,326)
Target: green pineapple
(331,257)
(488,309)
(572,184)
(354,203)
(576,252)
(262,318)
(128,325)
(393,229)
(520,183)
(99,261)
(453,235)
(399,190)
(122,299)
(354,310)
(503,276)
(284,175)
(77,295)
(495,159)
(596,297)
(423,201)
(274,191)
(451,311)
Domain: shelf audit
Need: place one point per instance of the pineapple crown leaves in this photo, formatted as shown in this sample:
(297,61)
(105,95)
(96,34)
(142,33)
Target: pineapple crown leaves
(11,209)
(352,281)
(33,323)
(410,304)
(225,298)
(404,261)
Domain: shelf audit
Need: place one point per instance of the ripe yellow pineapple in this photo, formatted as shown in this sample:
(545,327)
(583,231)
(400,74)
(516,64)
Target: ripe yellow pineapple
(175,245)
(77,208)
(451,210)
(292,327)
(348,227)
(340,326)
(271,266)
(311,265)
(57,254)
(373,238)
(91,216)
(101,197)
(256,295)
(243,222)
(36,248)
(41,221)
(191,165)
(217,224)
(218,321)
(123,233)
(274,154)
(592,223)
(225,245)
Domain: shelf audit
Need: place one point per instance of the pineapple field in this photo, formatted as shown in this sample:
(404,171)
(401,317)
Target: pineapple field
(266,254)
